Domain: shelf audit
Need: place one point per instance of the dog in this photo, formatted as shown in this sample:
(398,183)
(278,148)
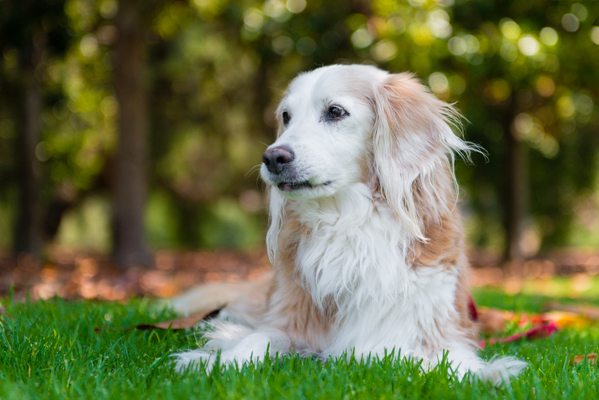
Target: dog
(365,236)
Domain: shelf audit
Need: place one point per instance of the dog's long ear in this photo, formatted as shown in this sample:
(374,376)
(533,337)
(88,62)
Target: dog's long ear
(413,146)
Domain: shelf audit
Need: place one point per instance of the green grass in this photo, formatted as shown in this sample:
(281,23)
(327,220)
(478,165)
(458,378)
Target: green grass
(48,350)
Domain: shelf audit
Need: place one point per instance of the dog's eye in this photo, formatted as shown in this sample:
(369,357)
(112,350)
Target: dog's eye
(286,117)
(335,112)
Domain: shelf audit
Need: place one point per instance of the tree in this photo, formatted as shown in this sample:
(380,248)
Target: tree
(196,84)
(130,178)
(35,30)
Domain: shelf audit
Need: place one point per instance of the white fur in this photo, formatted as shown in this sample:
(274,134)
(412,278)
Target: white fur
(344,258)
(356,252)
(237,344)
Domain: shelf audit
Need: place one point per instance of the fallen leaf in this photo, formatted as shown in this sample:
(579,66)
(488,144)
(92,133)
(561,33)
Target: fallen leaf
(590,312)
(566,319)
(174,324)
(71,275)
(183,322)
(542,331)
(591,357)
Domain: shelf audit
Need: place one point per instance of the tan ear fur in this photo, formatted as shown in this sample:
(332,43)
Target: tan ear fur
(413,146)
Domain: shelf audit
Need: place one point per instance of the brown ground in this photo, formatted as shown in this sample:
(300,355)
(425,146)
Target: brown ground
(79,275)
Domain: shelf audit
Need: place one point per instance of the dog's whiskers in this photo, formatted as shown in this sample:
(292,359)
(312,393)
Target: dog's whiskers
(253,169)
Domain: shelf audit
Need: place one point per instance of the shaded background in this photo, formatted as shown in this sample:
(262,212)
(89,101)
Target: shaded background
(132,126)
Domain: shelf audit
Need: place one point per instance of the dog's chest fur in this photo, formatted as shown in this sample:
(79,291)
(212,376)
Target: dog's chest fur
(354,255)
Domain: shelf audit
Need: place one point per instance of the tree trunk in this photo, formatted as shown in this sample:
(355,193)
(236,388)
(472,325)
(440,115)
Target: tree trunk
(516,195)
(28,229)
(130,180)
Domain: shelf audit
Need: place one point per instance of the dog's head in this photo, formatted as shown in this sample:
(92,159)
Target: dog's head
(340,125)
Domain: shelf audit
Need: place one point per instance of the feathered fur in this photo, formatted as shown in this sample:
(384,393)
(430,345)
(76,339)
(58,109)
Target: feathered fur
(364,234)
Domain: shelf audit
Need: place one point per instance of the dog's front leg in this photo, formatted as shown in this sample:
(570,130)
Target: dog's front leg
(251,348)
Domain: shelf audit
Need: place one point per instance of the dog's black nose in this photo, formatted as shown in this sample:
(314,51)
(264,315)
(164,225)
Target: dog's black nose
(276,159)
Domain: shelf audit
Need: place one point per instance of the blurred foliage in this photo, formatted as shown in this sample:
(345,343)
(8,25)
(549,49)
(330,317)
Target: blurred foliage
(217,68)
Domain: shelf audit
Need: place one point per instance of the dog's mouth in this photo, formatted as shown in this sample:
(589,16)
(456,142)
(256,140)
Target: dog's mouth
(293,186)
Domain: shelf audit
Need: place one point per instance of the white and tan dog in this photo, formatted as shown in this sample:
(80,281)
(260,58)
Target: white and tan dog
(365,237)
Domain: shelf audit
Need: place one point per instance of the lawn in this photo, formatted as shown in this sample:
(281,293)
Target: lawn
(48,350)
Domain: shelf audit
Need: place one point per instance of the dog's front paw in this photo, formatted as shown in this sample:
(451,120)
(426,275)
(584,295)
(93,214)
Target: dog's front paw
(196,358)
(193,360)
(234,358)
